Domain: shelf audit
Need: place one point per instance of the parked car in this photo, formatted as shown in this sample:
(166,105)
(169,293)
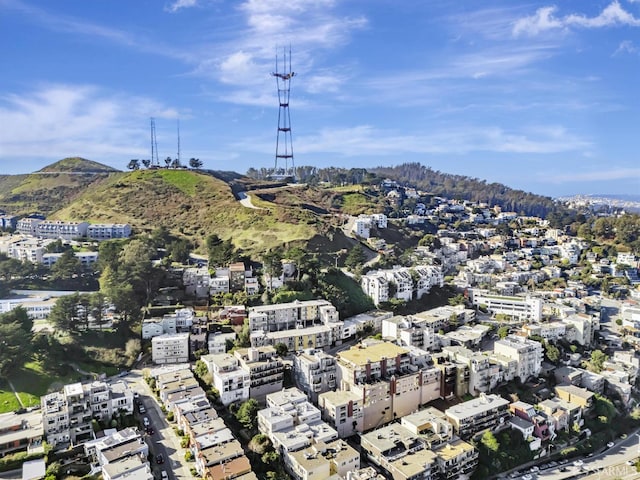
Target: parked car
(141,408)
(610,444)
(164,475)
(145,421)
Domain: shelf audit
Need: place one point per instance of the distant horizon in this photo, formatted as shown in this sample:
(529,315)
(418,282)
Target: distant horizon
(632,196)
(538,96)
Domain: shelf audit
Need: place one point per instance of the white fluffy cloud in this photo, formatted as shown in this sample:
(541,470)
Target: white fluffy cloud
(545,19)
(179,4)
(57,121)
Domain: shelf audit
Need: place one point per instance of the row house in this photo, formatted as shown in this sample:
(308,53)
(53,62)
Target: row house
(217,341)
(28,226)
(541,427)
(402,278)
(487,412)
(315,372)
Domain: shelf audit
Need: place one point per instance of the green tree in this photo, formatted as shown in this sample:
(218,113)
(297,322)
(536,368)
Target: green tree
(551,352)
(15,343)
(272,264)
(64,314)
(221,252)
(247,414)
(596,362)
(281,349)
(355,258)
(195,163)
(503,331)
(490,442)
(66,267)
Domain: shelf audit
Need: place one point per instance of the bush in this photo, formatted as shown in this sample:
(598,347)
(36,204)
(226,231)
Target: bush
(15,460)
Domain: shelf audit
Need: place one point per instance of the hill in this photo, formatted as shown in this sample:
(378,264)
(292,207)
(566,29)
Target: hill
(466,188)
(191,203)
(51,188)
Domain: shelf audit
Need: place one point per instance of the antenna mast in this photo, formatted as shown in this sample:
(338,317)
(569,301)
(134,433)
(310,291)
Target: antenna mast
(284,142)
(154,144)
(179,141)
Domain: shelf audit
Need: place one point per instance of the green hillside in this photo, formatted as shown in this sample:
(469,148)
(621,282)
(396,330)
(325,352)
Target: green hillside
(52,187)
(190,203)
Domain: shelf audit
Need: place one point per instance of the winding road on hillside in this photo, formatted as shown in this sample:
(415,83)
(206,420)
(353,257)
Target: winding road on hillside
(245,201)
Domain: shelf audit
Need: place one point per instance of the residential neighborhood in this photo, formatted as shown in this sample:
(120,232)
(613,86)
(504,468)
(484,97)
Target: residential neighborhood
(528,366)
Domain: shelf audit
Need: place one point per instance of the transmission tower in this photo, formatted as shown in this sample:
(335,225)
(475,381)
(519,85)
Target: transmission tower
(179,141)
(284,142)
(154,144)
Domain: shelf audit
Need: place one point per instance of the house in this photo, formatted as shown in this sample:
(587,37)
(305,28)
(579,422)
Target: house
(527,353)
(170,348)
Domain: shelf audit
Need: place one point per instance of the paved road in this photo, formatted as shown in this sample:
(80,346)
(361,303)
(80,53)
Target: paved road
(164,440)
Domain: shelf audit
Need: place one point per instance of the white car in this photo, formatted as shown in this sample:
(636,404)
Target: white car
(578,463)
(145,421)
(527,477)
(164,475)
(534,469)
(610,444)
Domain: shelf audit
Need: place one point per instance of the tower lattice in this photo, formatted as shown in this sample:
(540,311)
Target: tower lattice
(284,164)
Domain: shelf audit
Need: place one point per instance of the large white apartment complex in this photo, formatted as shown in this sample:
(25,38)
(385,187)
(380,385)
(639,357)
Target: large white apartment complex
(375,284)
(524,308)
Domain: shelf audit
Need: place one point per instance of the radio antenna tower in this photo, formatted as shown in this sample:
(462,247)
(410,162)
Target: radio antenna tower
(284,142)
(179,141)
(154,144)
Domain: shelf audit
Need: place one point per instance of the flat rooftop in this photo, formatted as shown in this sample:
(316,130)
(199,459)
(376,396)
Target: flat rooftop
(361,355)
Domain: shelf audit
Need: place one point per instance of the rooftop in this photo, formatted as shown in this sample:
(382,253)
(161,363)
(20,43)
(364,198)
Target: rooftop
(361,355)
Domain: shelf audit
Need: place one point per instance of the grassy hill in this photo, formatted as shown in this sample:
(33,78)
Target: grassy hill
(192,203)
(51,188)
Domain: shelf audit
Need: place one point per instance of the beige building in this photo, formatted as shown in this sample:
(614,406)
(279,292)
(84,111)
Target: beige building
(266,371)
(343,410)
(487,412)
(527,353)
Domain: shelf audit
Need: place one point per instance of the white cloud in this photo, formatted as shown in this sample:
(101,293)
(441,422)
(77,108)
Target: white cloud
(179,4)
(57,121)
(366,140)
(544,20)
(626,46)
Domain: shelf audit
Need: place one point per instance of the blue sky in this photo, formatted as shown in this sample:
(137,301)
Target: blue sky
(540,96)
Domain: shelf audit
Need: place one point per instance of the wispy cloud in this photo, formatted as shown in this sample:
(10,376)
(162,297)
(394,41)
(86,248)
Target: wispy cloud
(369,141)
(56,121)
(545,19)
(72,25)
(626,46)
(180,4)
(598,175)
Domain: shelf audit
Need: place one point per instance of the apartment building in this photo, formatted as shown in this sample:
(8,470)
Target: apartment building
(20,432)
(229,378)
(170,348)
(298,339)
(430,425)
(550,331)
(523,308)
(370,361)
(108,231)
(487,412)
(265,367)
(293,315)
(542,428)
(56,229)
(376,286)
(322,459)
(343,410)
(315,372)
(67,414)
(527,353)
(28,226)
(483,374)
(581,328)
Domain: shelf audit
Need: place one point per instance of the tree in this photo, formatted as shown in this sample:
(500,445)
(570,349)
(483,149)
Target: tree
(167,161)
(503,331)
(272,265)
(15,343)
(134,164)
(355,258)
(247,414)
(66,267)
(490,442)
(551,352)
(175,163)
(146,162)
(596,362)
(281,349)
(64,314)
(221,252)
(195,163)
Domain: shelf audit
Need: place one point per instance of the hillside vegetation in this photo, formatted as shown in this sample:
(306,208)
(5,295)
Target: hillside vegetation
(51,188)
(190,203)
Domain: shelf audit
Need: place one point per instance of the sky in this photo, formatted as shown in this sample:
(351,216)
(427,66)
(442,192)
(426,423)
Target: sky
(540,96)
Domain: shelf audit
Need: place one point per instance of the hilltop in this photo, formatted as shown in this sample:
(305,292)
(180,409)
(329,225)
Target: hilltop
(52,187)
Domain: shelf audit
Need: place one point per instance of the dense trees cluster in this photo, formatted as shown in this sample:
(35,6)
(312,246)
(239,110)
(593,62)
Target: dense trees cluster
(15,339)
(467,188)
